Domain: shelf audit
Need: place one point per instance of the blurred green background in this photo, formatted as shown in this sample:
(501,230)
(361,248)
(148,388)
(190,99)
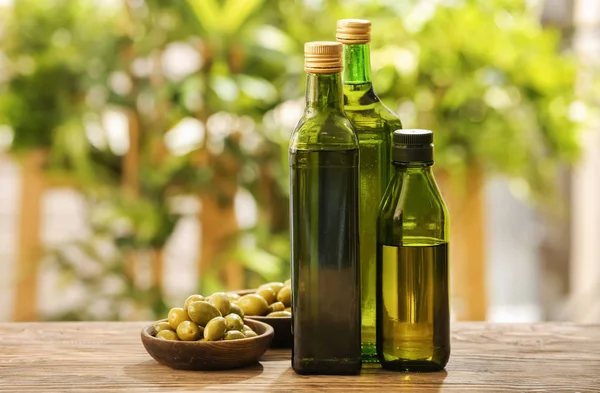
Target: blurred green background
(159,110)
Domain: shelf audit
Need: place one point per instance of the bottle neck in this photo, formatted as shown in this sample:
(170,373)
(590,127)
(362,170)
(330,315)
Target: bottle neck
(324,92)
(357,64)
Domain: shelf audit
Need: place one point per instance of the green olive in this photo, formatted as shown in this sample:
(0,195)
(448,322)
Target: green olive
(188,331)
(275,286)
(233,297)
(168,335)
(234,322)
(277,306)
(215,329)
(176,316)
(253,304)
(285,296)
(268,294)
(202,312)
(162,325)
(248,332)
(288,282)
(191,299)
(235,309)
(280,314)
(221,301)
(233,335)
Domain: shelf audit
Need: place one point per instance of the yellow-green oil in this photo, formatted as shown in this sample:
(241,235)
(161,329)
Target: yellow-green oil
(414,317)
(326,322)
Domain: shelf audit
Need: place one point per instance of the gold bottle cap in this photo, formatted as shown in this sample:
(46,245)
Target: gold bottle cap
(353,31)
(322,57)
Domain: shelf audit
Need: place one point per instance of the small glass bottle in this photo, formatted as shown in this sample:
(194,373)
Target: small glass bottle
(413,317)
(374,124)
(323,160)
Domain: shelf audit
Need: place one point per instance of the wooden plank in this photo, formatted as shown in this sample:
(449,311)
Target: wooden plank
(109,357)
(468,288)
(28,235)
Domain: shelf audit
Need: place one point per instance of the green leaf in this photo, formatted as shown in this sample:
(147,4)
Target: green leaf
(259,261)
(236,12)
(226,19)
(208,14)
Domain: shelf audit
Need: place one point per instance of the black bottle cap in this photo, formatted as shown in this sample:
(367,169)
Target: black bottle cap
(412,146)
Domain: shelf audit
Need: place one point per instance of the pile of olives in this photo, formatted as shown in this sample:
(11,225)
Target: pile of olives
(270,300)
(220,316)
(213,318)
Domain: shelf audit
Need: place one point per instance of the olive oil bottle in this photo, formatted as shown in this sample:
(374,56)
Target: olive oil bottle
(323,160)
(413,317)
(374,124)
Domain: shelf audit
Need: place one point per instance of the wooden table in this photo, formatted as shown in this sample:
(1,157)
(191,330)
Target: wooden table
(109,357)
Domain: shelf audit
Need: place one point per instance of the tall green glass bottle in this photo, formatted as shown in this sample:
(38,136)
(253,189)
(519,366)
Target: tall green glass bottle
(374,124)
(324,159)
(413,317)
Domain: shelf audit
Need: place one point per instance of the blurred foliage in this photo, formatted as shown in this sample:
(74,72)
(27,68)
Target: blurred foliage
(495,90)
(483,74)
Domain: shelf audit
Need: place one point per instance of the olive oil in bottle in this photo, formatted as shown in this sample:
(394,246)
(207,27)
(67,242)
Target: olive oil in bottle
(324,159)
(413,317)
(374,124)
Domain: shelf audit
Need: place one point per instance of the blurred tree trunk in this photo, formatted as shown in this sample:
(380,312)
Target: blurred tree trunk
(273,206)
(218,220)
(584,302)
(157,267)
(129,179)
(219,226)
(28,236)
(132,159)
(468,290)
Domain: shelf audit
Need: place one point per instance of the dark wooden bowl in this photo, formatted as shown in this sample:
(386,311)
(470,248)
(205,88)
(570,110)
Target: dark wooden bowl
(283,326)
(209,355)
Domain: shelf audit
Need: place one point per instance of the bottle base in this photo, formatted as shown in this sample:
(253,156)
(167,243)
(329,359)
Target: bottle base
(412,365)
(368,352)
(344,366)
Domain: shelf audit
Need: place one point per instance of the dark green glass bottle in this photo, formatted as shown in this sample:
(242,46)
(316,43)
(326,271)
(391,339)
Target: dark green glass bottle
(374,124)
(413,312)
(324,159)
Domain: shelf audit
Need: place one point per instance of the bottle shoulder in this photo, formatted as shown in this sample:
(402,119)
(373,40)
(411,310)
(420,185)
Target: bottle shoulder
(412,207)
(388,116)
(412,193)
(364,108)
(329,129)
